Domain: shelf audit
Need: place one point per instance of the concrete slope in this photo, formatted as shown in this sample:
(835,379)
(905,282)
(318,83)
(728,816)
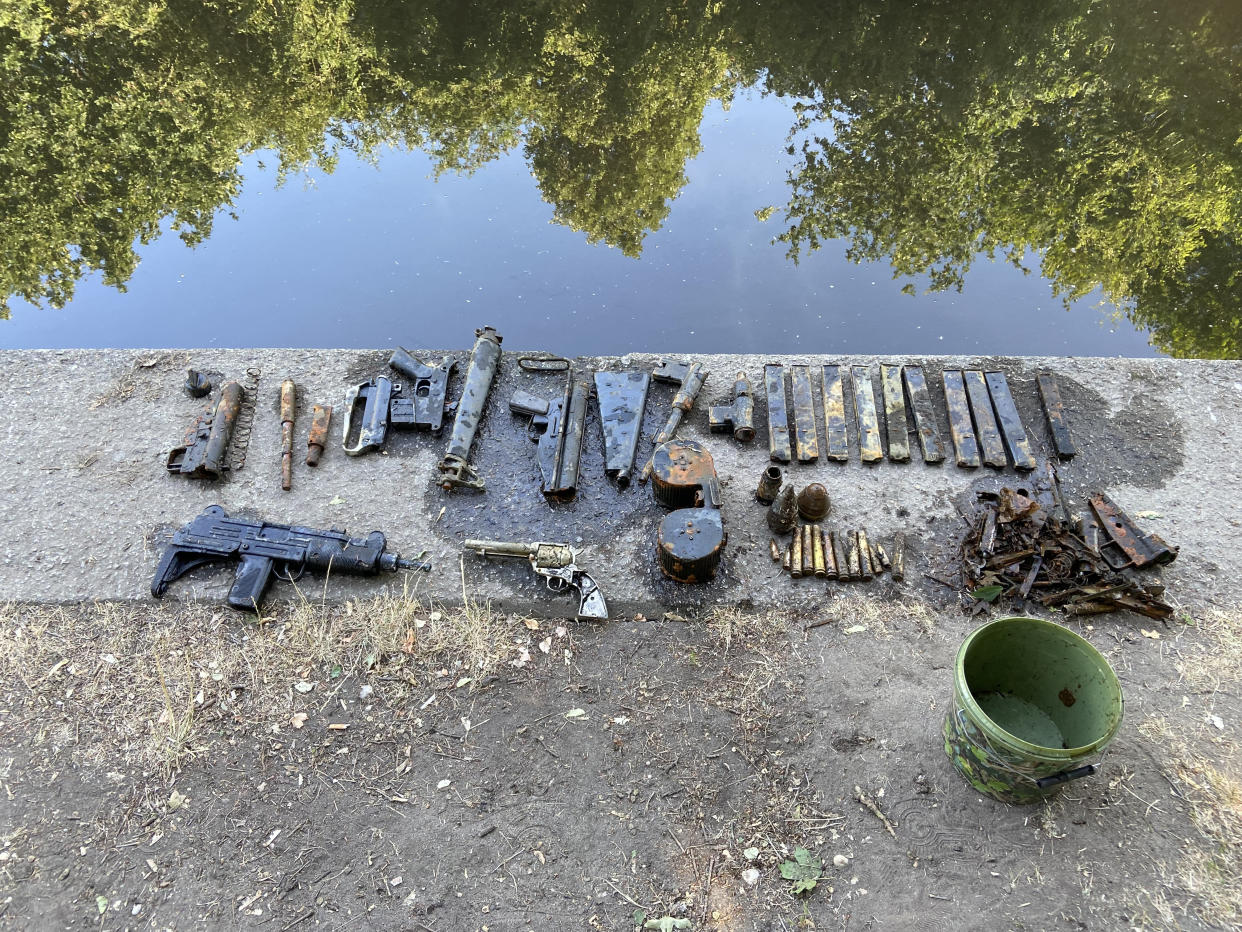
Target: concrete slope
(87,503)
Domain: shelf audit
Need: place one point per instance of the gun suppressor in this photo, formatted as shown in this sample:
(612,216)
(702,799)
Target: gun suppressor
(288,409)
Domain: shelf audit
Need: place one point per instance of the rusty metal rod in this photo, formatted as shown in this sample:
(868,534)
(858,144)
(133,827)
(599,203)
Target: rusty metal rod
(288,408)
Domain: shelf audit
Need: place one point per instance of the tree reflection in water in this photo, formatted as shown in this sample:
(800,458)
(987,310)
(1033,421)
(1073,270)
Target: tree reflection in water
(1103,141)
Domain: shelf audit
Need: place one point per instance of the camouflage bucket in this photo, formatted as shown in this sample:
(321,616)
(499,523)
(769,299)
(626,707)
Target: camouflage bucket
(1032,703)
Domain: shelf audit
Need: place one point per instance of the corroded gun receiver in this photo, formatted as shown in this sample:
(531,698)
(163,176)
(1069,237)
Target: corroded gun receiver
(557,564)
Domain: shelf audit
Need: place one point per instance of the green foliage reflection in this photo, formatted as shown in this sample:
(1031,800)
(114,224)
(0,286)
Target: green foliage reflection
(1104,141)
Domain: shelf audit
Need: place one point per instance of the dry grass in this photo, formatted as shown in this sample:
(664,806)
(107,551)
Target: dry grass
(1203,766)
(856,612)
(140,678)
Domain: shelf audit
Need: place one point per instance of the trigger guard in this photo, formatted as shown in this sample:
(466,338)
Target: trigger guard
(555,583)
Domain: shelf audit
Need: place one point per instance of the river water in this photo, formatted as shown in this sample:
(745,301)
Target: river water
(585,192)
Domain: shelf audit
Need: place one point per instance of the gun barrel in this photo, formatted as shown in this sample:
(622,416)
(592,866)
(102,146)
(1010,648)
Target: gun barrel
(288,408)
(501,548)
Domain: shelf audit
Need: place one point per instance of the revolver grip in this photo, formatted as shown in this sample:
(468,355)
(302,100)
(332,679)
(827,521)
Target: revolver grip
(591,604)
(253,575)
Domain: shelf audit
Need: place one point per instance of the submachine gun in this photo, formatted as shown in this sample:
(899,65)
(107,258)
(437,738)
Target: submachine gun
(264,548)
(557,425)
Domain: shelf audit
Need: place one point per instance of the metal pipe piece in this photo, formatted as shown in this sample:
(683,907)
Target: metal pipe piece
(317,440)
(288,410)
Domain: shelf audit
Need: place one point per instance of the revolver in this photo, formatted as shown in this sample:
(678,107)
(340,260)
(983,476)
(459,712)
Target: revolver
(557,564)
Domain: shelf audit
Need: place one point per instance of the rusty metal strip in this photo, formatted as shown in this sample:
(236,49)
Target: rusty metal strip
(834,416)
(986,428)
(895,414)
(778,414)
(924,415)
(1014,434)
(1054,411)
(965,447)
(806,435)
(870,449)
(1136,547)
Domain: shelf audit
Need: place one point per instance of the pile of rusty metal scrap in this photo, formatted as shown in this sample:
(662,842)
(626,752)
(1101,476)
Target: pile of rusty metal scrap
(1022,543)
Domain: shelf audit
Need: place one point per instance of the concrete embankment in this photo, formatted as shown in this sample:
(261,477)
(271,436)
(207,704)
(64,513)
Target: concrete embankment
(88,503)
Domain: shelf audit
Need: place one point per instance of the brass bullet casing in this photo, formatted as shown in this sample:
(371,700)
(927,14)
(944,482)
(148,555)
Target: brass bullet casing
(787,560)
(783,513)
(317,441)
(769,485)
(814,503)
(774,549)
(817,559)
(864,556)
(855,570)
(795,554)
(877,565)
(288,407)
(882,554)
(899,557)
(808,551)
(830,555)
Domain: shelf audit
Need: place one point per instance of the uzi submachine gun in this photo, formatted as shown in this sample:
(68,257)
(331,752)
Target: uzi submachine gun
(557,563)
(371,407)
(689,378)
(455,469)
(264,549)
(558,426)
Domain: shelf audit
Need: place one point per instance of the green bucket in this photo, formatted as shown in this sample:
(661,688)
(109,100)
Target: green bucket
(1032,703)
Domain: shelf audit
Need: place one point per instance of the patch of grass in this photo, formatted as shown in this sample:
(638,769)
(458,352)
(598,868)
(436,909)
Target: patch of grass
(145,681)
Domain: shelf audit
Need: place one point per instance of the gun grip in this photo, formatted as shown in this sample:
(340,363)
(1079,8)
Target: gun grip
(591,605)
(253,575)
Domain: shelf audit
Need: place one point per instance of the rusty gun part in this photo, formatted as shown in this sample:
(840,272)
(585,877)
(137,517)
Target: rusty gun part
(864,556)
(691,539)
(774,549)
(834,415)
(924,415)
(557,426)
(739,415)
(806,431)
(769,485)
(317,440)
(366,405)
(899,557)
(455,469)
(1127,544)
(1054,411)
(1012,431)
(202,455)
(421,400)
(622,401)
(870,449)
(818,563)
(558,565)
(288,412)
(778,414)
(986,428)
(783,512)
(689,378)
(795,554)
(965,447)
(244,424)
(895,414)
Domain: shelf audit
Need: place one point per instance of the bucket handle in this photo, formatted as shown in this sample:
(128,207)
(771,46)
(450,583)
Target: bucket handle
(997,761)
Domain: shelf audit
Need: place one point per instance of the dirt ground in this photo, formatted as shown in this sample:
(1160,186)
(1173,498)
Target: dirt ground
(386,765)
